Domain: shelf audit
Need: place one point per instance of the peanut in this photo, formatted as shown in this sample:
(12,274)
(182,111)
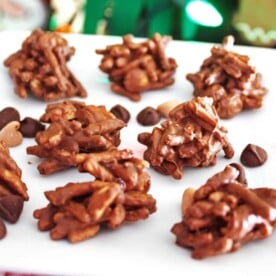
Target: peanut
(10,134)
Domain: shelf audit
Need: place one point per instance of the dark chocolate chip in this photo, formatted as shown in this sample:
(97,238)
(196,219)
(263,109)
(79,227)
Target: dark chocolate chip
(241,177)
(29,127)
(11,207)
(8,115)
(253,156)
(120,112)
(148,116)
(3,230)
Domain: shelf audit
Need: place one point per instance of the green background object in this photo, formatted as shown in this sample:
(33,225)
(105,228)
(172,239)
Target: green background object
(139,17)
(145,17)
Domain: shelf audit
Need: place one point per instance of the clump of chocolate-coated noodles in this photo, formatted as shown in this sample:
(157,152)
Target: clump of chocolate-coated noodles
(78,211)
(74,128)
(224,214)
(40,68)
(134,68)
(13,191)
(191,137)
(230,79)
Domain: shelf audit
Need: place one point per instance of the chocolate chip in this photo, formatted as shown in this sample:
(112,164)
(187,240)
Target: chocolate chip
(11,207)
(253,156)
(120,112)
(241,177)
(29,127)
(8,115)
(3,230)
(148,116)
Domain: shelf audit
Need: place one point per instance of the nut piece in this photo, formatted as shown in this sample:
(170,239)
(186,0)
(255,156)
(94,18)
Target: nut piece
(40,67)
(137,67)
(191,137)
(11,135)
(253,156)
(167,106)
(148,116)
(224,214)
(230,80)
(120,112)
(8,115)
(187,200)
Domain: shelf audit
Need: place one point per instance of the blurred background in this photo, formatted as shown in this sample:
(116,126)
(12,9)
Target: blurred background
(252,22)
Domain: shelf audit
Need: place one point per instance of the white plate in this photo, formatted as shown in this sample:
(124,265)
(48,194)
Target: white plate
(145,247)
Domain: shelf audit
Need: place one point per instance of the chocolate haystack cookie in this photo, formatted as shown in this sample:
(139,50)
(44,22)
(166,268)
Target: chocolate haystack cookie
(74,128)
(39,67)
(78,211)
(229,79)
(137,67)
(224,214)
(13,191)
(191,137)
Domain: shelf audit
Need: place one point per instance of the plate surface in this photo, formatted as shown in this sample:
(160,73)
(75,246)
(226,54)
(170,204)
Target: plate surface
(145,247)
